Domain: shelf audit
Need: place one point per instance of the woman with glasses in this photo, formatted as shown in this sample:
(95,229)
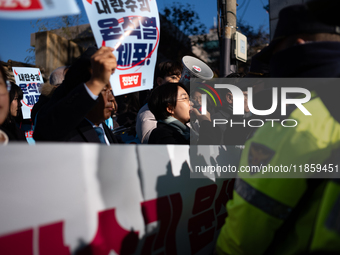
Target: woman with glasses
(170,103)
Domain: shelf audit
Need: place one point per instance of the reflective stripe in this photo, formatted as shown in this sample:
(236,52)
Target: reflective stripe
(261,200)
(333,220)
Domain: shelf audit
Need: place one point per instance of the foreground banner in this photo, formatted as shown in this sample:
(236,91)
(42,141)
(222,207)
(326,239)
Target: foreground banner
(34,9)
(92,199)
(132,28)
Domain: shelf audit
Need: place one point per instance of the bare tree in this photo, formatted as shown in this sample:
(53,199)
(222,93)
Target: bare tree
(63,22)
(186,20)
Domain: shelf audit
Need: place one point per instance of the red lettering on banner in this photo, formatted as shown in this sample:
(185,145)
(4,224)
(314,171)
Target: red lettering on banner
(130,80)
(200,227)
(226,193)
(221,220)
(17,5)
(156,210)
(111,236)
(177,206)
(51,240)
(201,230)
(167,211)
(17,243)
(164,218)
(204,198)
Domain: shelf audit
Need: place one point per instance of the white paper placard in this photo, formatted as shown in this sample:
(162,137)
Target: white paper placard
(132,28)
(29,80)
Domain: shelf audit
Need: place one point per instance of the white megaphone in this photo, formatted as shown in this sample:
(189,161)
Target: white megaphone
(193,67)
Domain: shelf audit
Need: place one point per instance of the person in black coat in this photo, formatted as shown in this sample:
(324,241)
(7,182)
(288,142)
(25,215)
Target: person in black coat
(170,103)
(79,106)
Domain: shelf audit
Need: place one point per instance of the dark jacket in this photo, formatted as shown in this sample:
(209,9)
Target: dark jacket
(13,132)
(62,118)
(166,134)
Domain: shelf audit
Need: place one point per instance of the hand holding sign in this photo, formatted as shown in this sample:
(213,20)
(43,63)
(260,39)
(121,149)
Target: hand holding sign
(103,64)
(132,28)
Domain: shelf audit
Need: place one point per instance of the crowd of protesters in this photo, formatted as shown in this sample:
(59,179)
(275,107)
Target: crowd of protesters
(78,105)
(71,108)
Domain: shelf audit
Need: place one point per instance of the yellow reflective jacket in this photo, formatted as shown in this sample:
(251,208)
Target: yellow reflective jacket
(260,206)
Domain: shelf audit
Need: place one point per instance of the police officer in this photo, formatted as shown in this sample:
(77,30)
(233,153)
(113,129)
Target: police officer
(297,215)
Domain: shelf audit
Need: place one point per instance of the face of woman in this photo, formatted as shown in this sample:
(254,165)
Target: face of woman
(182,109)
(4,100)
(14,106)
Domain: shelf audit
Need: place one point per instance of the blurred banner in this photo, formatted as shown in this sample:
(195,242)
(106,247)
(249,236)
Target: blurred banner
(35,9)
(92,199)
(132,28)
(29,80)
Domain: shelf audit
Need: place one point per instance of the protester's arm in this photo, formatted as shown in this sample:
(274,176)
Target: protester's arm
(103,64)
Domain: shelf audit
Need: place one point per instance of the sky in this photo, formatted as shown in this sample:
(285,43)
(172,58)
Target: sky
(16,34)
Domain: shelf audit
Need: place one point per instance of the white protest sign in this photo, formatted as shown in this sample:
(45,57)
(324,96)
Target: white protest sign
(132,28)
(120,199)
(28,9)
(29,80)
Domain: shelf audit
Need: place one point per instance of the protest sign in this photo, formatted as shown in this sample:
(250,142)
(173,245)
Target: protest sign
(132,28)
(93,199)
(28,9)
(29,80)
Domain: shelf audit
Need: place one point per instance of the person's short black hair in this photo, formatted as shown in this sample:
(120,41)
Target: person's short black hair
(168,68)
(162,97)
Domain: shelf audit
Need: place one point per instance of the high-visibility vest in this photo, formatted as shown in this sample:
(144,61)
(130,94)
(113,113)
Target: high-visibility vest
(261,206)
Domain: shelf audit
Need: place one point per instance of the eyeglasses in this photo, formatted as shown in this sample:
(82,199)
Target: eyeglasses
(184,99)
